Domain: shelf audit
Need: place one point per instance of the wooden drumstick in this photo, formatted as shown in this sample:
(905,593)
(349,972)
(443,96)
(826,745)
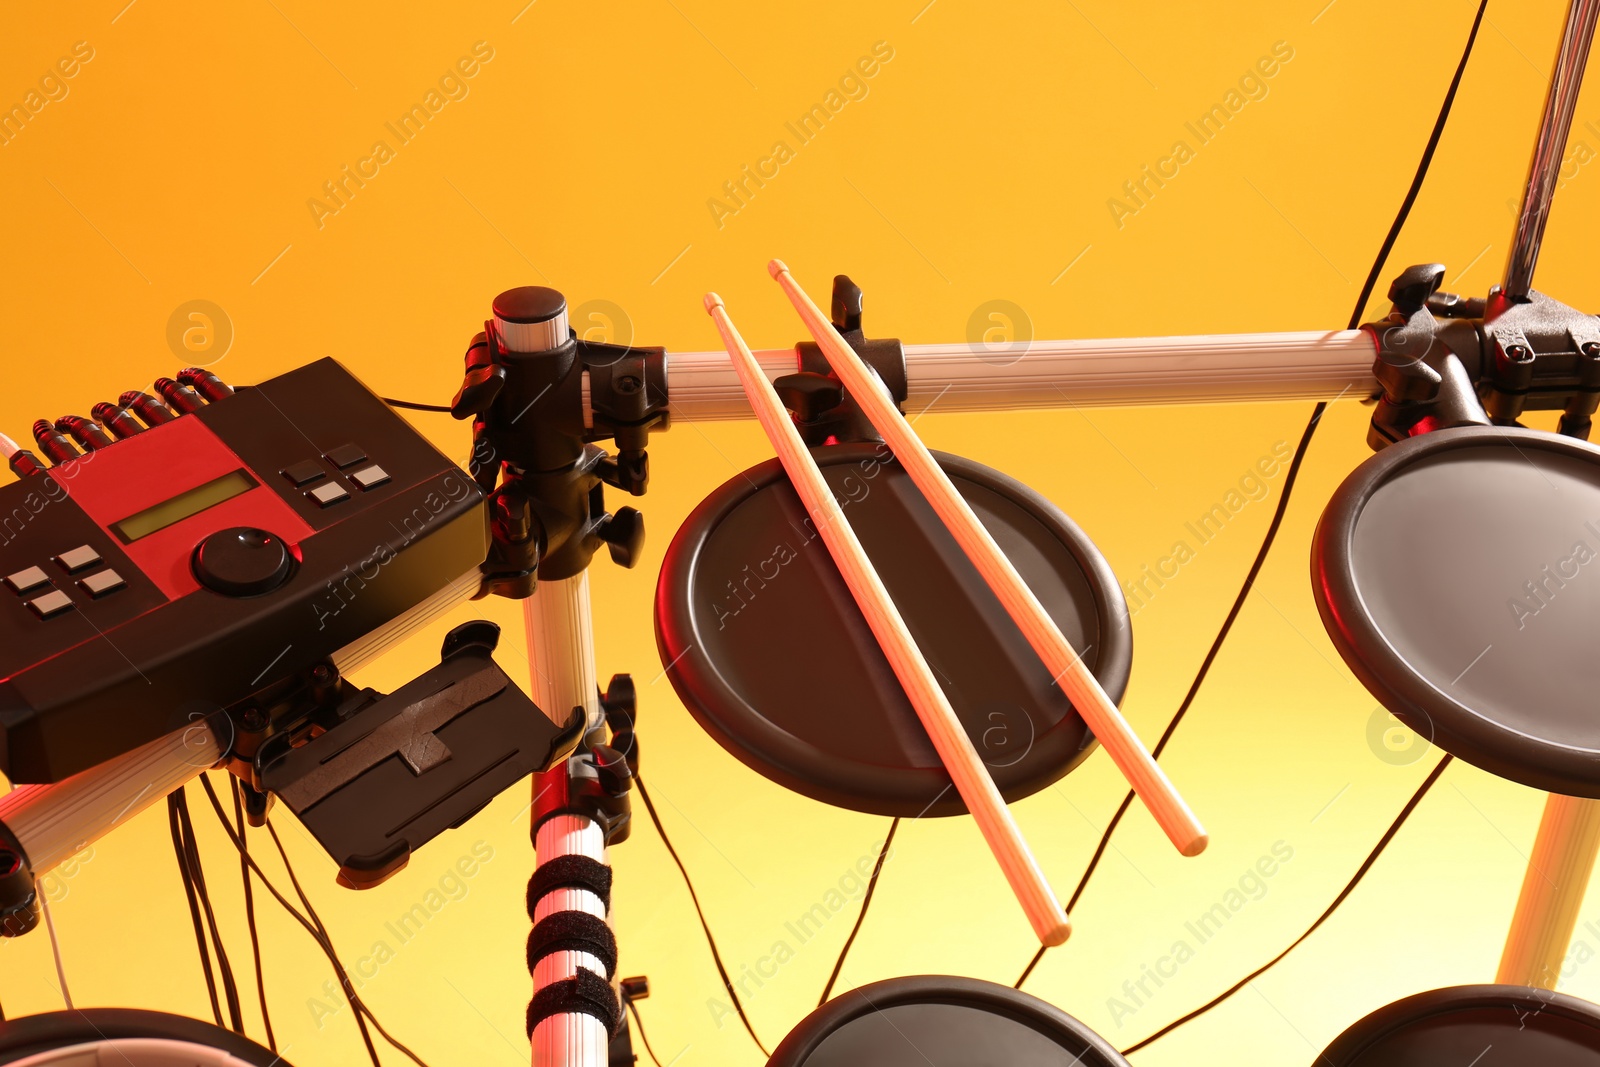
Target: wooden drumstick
(1146,777)
(949,737)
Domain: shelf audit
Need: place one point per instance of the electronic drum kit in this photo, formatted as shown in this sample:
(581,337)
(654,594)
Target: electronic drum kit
(919,598)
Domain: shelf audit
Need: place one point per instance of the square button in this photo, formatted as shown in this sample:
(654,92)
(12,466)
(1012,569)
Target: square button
(51,604)
(328,495)
(369,477)
(78,558)
(100,583)
(303,473)
(343,456)
(26,579)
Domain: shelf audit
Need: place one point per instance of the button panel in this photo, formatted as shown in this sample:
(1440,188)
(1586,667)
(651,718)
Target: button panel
(27,579)
(325,489)
(78,559)
(101,583)
(51,604)
(369,477)
(46,601)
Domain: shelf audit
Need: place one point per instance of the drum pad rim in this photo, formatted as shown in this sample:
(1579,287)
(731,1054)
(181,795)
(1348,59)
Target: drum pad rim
(31,1035)
(804,1040)
(1385,1022)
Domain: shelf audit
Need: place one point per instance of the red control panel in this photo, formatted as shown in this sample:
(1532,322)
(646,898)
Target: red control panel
(182,553)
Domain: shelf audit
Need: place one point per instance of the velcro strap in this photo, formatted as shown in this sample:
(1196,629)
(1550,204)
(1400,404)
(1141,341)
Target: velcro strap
(573,931)
(570,872)
(585,994)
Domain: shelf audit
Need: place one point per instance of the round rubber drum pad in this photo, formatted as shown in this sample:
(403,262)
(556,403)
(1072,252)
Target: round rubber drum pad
(769,652)
(962,1022)
(1473,1026)
(1458,573)
(129,1037)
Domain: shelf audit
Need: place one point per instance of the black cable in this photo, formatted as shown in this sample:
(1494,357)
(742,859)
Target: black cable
(322,934)
(313,926)
(230,986)
(194,906)
(637,1021)
(411,405)
(716,956)
(1294,467)
(327,941)
(322,941)
(1422,170)
(866,902)
(1032,963)
(1205,667)
(1372,857)
(196,870)
(250,911)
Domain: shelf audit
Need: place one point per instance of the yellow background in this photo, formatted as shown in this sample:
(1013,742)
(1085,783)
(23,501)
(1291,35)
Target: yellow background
(978,167)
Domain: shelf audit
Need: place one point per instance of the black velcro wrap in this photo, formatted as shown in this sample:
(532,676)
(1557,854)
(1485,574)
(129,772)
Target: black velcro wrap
(570,872)
(573,931)
(585,994)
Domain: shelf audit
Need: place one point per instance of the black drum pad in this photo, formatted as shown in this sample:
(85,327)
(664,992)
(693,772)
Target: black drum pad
(32,1036)
(1480,1026)
(913,1022)
(1458,574)
(769,652)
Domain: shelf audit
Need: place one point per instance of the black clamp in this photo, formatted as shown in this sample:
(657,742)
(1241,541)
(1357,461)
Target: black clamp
(599,777)
(1424,382)
(1446,360)
(1542,355)
(824,411)
(629,990)
(599,782)
(534,451)
(19,893)
(619,702)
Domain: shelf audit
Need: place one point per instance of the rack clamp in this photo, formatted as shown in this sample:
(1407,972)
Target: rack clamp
(536,418)
(629,990)
(824,410)
(19,893)
(1446,360)
(1541,355)
(1425,360)
(598,782)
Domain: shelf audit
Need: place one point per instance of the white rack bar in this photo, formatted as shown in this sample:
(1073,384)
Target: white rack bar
(54,822)
(1222,368)
(560,632)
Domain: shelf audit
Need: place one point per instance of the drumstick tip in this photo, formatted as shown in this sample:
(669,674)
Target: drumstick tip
(776,267)
(712,302)
(1057,935)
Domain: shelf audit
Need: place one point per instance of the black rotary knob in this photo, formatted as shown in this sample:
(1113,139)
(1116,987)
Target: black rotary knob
(242,561)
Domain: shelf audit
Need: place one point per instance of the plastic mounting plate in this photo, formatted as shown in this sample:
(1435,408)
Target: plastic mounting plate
(413,764)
